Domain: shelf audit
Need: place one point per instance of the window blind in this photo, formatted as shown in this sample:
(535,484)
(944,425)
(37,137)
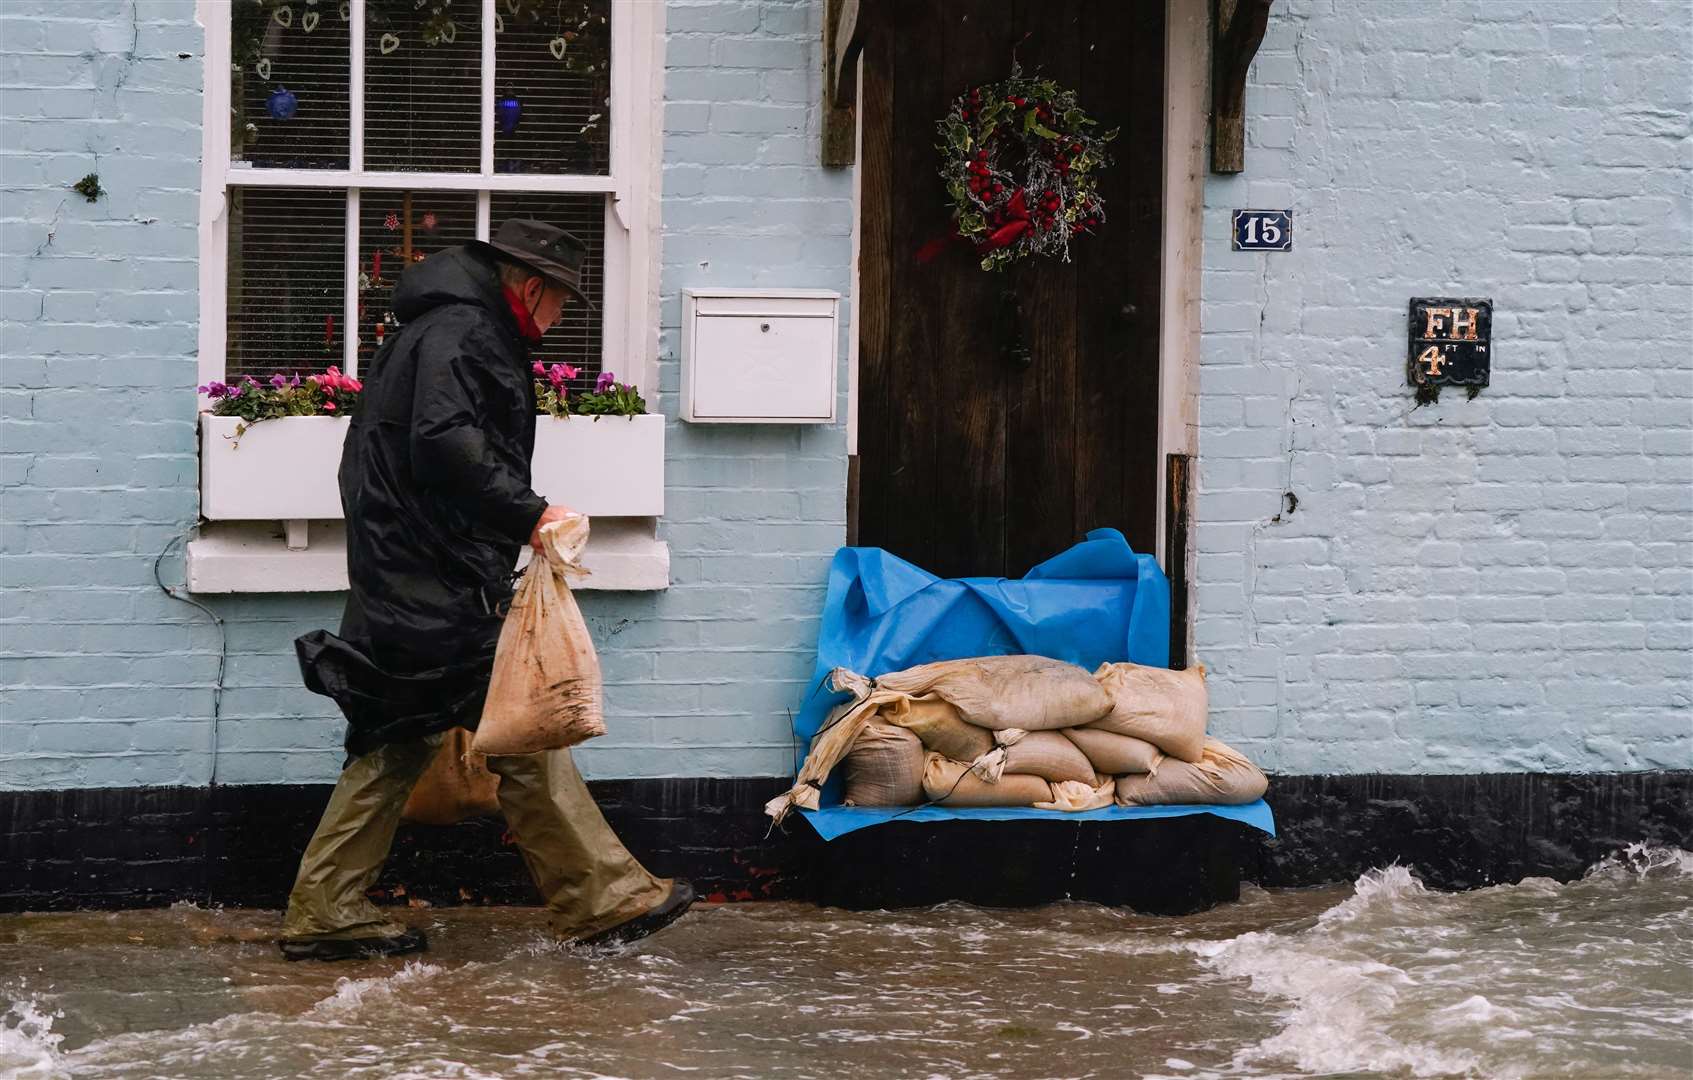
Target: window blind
(290,108)
(576,340)
(286,267)
(423,85)
(552,87)
(290,84)
(398,230)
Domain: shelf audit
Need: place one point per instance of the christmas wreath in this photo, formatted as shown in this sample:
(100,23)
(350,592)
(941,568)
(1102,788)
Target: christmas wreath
(1020,161)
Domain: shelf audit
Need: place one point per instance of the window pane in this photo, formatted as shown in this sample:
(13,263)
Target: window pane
(423,85)
(289,84)
(399,229)
(576,340)
(286,259)
(552,87)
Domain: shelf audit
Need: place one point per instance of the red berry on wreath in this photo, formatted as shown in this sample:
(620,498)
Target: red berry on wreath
(1019,199)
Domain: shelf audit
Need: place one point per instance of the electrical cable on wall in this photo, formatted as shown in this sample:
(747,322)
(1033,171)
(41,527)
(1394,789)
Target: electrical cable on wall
(223,643)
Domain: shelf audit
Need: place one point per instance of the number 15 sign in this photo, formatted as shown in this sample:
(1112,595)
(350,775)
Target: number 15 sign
(1263,230)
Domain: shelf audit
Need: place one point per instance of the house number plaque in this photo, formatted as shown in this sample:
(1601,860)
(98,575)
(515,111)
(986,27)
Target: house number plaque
(1263,230)
(1451,343)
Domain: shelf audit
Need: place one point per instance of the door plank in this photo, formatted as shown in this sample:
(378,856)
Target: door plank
(873,304)
(970,460)
(1040,414)
(1117,327)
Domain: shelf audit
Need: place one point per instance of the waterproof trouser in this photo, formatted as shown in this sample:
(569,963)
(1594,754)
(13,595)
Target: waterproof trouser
(588,879)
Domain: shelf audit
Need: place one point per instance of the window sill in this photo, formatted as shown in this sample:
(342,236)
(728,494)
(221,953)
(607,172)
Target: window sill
(623,554)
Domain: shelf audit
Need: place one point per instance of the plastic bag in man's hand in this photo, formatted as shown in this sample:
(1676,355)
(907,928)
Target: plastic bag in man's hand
(545,693)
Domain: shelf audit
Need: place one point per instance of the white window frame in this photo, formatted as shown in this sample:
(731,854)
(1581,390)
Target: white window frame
(630,301)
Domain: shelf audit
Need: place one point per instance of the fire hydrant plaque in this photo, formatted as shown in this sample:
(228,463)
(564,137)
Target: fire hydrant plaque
(1451,342)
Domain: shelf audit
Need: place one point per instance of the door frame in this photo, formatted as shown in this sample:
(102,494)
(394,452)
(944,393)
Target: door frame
(1187,65)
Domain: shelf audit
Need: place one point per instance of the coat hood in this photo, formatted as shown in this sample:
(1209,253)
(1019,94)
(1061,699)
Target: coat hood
(455,276)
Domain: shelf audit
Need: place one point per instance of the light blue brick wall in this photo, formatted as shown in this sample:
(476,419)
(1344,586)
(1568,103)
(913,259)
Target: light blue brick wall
(1502,583)
(107,682)
(1497,584)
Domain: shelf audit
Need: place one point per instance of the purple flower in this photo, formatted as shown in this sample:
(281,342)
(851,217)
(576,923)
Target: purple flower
(279,380)
(234,391)
(214,390)
(296,379)
(606,379)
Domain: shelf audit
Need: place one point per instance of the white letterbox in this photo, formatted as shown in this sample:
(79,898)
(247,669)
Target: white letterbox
(759,356)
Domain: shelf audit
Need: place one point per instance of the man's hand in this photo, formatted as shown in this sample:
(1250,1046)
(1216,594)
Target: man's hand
(548,516)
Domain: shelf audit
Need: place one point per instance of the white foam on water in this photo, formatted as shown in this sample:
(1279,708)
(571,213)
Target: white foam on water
(29,1048)
(1363,987)
(352,995)
(1643,860)
(1341,999)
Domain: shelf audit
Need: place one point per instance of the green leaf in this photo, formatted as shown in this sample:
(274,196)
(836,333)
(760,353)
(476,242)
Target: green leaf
(1040,129)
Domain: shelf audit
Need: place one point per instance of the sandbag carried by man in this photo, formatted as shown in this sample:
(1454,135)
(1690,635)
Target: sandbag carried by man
(435,486)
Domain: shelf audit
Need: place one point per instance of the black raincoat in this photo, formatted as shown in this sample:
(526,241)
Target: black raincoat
(436,490)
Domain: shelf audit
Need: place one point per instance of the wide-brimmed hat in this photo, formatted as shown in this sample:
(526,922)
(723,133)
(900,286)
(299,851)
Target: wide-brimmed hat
(546,249)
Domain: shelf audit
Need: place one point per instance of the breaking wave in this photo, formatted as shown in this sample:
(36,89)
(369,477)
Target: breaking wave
(29,1048)
(1511,981)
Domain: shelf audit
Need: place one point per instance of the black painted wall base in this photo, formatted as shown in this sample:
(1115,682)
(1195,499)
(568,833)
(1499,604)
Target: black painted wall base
(135,847)
(1168,866)
(1463,832)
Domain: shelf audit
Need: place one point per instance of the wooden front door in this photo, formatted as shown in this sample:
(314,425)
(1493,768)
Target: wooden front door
(971,459)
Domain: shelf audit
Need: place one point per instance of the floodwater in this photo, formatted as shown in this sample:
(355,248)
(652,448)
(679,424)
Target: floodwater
(1380,978)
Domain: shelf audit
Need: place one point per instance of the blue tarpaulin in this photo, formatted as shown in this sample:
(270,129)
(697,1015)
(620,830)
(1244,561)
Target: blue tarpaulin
(1095,603)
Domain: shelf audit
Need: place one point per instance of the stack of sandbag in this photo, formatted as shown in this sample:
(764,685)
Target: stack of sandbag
(1154,741)
(1024,731)
(968,711)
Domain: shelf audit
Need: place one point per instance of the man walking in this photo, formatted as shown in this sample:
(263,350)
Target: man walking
(436,490)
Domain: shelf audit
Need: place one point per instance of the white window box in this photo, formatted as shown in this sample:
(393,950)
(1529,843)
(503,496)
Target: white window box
(285,470)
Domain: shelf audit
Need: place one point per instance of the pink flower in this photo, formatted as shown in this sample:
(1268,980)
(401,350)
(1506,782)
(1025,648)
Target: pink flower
(329,406)
(539,369)
(391,222)
(332,380)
